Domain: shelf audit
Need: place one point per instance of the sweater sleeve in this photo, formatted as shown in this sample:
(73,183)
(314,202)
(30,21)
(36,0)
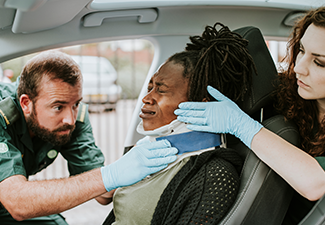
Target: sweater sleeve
(203,196)
(216,193)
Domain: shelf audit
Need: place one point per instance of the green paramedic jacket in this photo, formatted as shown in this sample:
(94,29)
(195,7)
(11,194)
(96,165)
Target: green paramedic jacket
(19,154)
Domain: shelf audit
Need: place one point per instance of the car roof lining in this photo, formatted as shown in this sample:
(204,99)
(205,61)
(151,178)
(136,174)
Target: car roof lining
(38,15)
(168,23)
(42,25)
(120,4)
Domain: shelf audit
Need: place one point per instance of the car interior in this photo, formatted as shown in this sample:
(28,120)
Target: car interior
(261,188)
(36,25)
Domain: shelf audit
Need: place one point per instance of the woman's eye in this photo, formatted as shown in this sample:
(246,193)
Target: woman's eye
(301,50)
(160,90)
(319,64)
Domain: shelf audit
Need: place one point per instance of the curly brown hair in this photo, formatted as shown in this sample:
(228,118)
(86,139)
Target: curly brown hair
(303,112)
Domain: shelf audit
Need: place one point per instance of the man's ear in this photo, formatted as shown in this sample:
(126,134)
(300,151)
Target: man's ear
(26,104)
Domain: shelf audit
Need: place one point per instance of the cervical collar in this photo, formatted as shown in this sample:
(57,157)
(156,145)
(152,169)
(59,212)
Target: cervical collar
(180,137)
(187,142)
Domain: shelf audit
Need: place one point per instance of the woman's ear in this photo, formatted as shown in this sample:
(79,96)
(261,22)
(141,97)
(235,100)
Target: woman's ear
(205,100)
(26,104)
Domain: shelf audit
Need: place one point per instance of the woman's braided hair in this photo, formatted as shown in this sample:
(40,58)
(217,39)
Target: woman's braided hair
(218,58)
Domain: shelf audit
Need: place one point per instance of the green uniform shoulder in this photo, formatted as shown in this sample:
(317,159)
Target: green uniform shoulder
(9,112)
(83,108)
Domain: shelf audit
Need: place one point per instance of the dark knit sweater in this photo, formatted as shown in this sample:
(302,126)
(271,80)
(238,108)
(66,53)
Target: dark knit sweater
(202,192)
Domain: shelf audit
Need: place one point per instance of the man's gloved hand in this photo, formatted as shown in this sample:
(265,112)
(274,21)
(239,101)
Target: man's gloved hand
(223,116)
(142,141)
(136,164)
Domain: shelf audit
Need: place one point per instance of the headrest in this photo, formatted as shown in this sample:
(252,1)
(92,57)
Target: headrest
(263,83)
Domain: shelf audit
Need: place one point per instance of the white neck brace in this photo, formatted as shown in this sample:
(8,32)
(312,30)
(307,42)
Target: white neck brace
(175,127)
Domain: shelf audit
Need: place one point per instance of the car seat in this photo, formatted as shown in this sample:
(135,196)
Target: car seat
(263,197)
(316,216)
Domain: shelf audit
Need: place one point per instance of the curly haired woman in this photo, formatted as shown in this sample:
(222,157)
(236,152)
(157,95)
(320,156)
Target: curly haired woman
(301,98)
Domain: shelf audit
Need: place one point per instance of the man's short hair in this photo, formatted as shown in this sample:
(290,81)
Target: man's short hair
(54,65)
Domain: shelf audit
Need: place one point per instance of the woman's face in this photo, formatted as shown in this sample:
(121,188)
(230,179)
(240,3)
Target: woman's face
(166,89)
(310,65)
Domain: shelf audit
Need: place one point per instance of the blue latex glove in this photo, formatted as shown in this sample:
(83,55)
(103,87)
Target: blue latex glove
(142,141)
(138,163)
(223,116)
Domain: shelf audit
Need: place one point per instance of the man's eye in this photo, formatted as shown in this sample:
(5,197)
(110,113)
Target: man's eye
(58,108)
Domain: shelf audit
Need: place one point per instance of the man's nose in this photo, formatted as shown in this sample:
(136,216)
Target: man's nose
(69,117)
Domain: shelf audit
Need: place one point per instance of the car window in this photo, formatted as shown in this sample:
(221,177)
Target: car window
(128,60)
(94,68)
(278,51)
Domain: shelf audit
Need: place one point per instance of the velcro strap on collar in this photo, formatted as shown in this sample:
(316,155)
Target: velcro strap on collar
(193,141)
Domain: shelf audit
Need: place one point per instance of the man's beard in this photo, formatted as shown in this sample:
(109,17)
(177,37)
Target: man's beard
(45,134)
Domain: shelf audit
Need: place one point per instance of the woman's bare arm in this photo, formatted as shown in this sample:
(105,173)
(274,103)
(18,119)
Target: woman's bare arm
(298,168)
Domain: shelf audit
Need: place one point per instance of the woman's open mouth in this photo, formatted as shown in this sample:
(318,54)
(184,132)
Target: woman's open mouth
(146,113)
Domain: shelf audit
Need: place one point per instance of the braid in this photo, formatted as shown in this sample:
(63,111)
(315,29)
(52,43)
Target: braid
(224,63)
(218,58)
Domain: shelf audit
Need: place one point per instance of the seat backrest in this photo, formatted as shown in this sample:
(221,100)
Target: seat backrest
(316,216)
(263,197)
(264,82)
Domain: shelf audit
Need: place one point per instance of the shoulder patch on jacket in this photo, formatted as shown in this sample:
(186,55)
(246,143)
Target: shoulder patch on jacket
(83,108)
(9,111)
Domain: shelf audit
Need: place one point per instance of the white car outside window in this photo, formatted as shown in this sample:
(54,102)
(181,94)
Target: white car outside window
(99,80)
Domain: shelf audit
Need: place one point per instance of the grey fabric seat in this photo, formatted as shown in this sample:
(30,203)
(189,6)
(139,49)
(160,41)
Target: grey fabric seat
(264,196)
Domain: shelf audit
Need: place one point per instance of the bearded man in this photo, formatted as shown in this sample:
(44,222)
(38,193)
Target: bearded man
(41,115)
